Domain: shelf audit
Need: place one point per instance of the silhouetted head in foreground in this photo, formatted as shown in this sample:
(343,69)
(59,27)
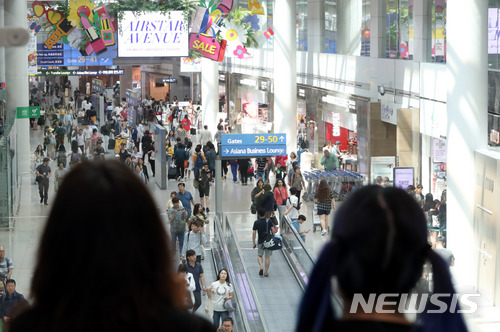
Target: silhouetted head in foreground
(103,261)
(379,245)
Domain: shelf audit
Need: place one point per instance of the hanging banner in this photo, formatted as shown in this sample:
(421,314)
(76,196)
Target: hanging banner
(33,28)
(152,34)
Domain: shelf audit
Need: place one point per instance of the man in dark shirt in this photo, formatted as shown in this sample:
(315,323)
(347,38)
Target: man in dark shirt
(99,151)
(203,176)
(43,173)
(123,153)
(196,270)
(10,300)
(261,168)
(445,253)
(260,227)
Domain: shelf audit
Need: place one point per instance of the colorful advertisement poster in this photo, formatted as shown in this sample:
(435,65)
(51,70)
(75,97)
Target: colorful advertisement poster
(152,34)
(189,65)
(31,46)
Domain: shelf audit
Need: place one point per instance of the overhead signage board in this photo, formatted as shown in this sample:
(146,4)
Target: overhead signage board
(253,145)
(152,34)
(28,112)
(65,55)
(95,72)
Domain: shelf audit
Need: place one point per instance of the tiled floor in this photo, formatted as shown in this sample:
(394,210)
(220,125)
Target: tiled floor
(21,245)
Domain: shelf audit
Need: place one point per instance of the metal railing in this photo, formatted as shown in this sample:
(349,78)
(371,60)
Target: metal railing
(297,254)
(227,254)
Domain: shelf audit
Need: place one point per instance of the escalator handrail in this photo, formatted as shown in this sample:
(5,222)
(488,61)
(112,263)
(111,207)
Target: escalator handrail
(239,295)
(302,277)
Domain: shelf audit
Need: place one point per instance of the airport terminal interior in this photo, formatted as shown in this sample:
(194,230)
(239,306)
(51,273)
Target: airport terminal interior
(394,93)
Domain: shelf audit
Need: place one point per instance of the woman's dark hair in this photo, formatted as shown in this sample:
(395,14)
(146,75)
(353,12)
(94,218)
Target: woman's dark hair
(227,279)
(182,268)
(198,209)
(169,144)
(197,149)
(259,181)
(276,183)
(61,148)
(210,145)
(435,203)
(379,245)
(115,275)
(74,146)
(323,192)
(428,202)
(189,145)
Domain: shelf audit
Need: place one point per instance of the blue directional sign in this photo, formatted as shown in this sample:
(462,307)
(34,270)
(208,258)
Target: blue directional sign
(169,80)
(253,145)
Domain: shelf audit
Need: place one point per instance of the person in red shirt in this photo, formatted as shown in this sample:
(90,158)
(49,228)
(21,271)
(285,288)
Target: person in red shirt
(186,125)
(282,160)
(123,113)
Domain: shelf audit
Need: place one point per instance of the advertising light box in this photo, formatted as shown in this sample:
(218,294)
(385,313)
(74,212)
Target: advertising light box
(152,34)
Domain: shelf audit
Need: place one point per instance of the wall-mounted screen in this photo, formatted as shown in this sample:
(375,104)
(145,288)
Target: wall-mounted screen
(152,34)
(403,177)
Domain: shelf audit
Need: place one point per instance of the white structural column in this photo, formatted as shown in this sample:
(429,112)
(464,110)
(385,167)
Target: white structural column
(422,39)
(316,26)
(285,72)
(210,93)
(378,17)
(16,76)
(349,18)
(467,106)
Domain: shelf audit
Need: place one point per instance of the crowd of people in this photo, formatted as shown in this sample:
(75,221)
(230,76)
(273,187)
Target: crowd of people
(391,221)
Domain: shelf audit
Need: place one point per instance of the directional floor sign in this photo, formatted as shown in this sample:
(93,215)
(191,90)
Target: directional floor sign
(253,145)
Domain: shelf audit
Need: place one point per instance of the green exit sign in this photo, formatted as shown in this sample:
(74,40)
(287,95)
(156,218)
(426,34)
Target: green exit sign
(28,112)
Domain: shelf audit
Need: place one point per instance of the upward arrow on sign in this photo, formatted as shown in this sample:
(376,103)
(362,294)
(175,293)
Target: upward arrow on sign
(281,139)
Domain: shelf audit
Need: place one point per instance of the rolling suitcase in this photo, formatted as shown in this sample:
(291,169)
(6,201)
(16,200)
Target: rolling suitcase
(111,144)
(172,172)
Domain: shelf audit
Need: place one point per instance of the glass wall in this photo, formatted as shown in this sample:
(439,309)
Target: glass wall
(301,25)
(493,34)
(439,31)
(331,26)
(400,29)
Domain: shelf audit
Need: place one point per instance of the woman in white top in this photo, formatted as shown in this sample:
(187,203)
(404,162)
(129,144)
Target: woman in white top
(293,158)
(220,291)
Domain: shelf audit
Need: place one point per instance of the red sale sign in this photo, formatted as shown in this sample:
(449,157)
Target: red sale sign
(210,47)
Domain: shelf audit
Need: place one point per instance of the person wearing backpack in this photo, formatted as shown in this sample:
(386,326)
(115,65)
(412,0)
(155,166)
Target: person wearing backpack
(198,159)
(194,239)
(211,155)
(180,156)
